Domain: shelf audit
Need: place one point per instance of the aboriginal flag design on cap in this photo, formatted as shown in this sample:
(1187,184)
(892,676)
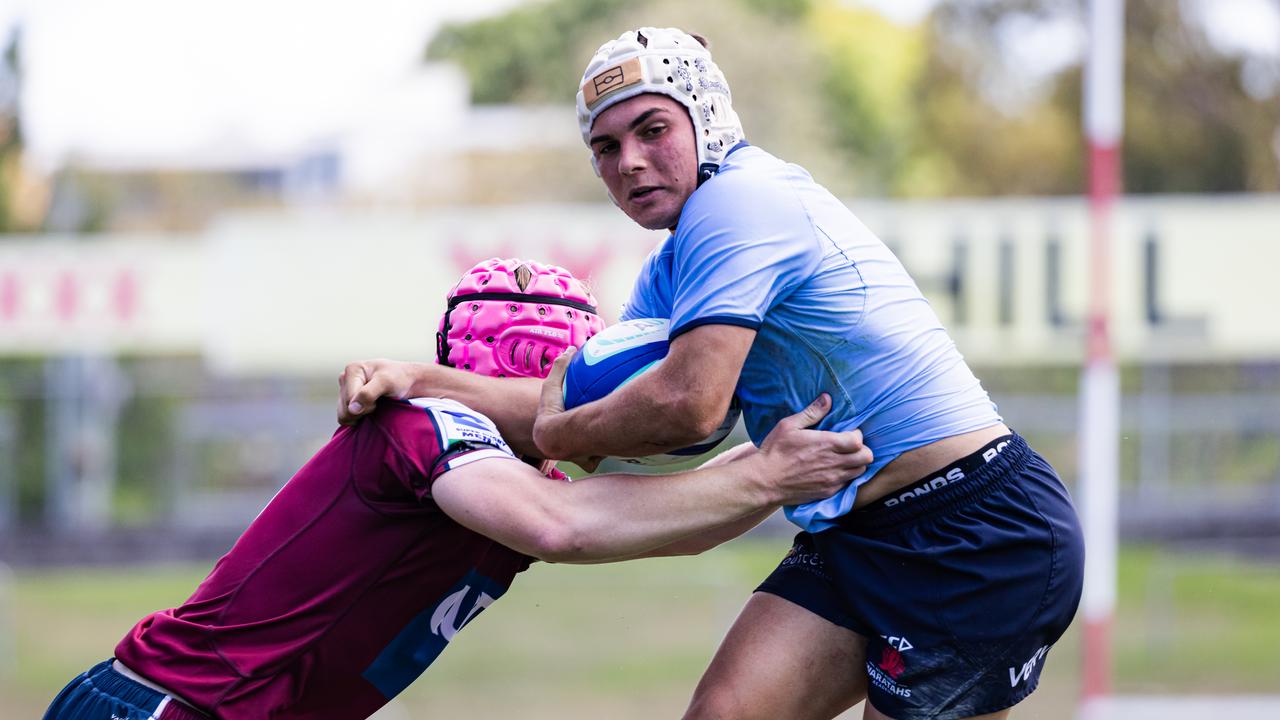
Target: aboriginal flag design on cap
(615,78)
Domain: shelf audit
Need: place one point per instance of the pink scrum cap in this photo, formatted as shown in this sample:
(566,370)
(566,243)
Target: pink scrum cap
(513,318)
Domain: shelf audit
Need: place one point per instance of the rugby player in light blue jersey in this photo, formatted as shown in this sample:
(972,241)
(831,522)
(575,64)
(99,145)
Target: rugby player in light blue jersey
(934,584)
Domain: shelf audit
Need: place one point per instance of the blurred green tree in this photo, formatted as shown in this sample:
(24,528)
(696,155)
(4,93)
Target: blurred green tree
(1193,123)
(870,67)
(526,54)
(10,131)
(1197,119)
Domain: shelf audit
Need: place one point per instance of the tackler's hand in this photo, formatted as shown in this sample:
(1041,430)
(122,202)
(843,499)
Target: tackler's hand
(802,465)
(547,426)
(362,383)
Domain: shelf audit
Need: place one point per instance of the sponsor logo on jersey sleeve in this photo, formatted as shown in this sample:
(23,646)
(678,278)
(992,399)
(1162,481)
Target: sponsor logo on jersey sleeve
(457,423)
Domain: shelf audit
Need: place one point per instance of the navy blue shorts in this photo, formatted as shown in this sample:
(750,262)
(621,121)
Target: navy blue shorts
(104,694)
(960,586)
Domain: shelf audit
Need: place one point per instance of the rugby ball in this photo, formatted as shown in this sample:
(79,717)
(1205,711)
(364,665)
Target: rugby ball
(617,355)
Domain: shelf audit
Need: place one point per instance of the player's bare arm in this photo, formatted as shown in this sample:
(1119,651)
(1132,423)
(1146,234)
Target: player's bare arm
(707,539)
(678,403)
(619,516)
(510,402)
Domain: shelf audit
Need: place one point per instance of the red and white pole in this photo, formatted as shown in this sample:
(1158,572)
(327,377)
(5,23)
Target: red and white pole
(1099,429)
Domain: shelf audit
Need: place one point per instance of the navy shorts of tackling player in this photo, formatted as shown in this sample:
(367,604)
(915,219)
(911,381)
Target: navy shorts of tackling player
(104,694)
(960,590)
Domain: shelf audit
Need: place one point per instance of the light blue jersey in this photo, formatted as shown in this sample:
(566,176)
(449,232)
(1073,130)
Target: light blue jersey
(761,245)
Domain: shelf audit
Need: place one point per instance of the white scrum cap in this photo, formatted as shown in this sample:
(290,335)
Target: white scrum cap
(670,62)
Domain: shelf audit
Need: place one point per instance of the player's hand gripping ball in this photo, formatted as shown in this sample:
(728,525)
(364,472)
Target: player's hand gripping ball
(617,355)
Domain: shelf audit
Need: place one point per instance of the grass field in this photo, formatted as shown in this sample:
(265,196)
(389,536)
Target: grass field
(629,641)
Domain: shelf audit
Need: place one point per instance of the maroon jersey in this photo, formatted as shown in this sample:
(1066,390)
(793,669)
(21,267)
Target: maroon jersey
(346,587)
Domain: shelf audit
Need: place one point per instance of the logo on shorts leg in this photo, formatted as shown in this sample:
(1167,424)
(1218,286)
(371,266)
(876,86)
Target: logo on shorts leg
(1028,669)
(803,557)
(892,663)
(797,555)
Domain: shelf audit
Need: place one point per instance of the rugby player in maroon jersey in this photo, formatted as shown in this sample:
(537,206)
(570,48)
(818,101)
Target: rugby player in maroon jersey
(408,524)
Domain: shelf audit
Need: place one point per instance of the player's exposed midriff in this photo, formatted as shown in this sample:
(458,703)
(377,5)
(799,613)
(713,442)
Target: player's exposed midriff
(915,464)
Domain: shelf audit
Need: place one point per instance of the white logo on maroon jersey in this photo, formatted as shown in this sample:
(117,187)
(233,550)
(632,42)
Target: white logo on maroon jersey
(444,621)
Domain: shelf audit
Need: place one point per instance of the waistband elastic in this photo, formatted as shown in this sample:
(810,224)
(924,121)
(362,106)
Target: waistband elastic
(163,706)
(960,482)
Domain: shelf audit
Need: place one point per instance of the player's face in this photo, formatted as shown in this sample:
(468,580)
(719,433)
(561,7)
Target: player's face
(644,147)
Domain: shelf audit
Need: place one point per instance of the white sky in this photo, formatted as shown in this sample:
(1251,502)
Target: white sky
(166,77)
(155,77)
(1250,25)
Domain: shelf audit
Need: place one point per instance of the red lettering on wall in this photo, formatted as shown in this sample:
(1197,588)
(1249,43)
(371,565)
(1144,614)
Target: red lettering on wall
(124,295)
(9,296)
(66,297)
(582,266)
